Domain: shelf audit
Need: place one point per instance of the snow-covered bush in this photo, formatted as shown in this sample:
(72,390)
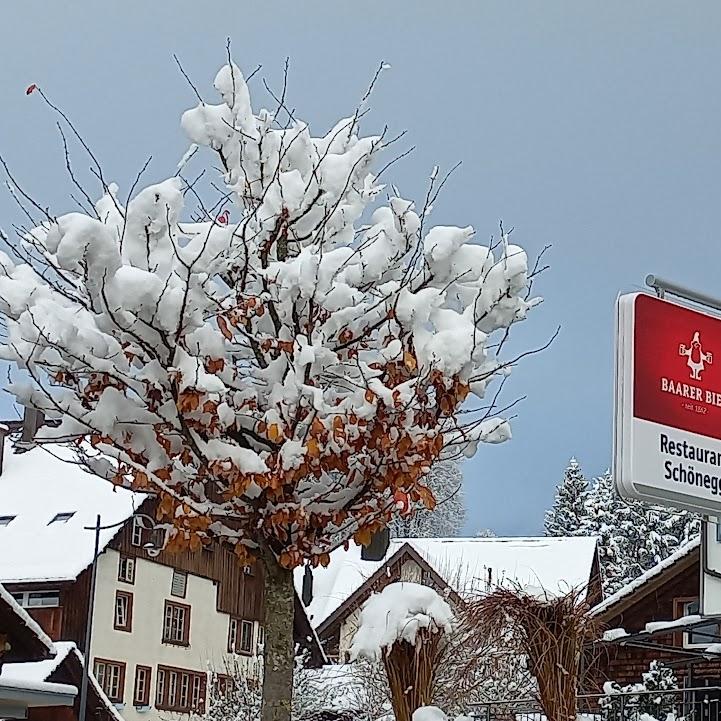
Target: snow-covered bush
(318,693)
(404,626)
(653,698)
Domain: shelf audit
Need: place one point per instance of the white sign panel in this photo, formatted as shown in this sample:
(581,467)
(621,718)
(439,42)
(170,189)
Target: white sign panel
(668,404)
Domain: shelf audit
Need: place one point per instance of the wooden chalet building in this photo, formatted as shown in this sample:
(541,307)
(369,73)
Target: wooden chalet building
(39,680)
(161,621)
(655,617)
(456,567)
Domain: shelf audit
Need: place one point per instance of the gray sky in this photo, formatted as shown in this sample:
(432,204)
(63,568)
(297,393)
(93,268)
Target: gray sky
(594,127)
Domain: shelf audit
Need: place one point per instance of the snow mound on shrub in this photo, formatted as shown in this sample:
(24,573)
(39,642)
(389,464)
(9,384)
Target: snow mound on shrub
(398,613)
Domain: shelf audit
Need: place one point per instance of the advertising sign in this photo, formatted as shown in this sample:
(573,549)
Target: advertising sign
(668,404)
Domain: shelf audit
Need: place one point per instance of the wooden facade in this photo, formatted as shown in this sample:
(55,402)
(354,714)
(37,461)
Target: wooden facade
(66,621)
(240,590)
(659,599)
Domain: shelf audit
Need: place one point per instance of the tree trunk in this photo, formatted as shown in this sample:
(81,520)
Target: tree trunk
(278,656)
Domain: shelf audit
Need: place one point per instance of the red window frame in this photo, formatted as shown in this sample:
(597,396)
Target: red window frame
(142,698)
(181,690)
(128,625)
(168,627)
(103,679)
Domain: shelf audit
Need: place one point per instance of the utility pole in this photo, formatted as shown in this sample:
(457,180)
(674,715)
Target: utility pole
(89,625)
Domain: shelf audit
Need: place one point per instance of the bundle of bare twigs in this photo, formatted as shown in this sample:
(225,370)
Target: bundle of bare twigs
(411,669)
(552,632)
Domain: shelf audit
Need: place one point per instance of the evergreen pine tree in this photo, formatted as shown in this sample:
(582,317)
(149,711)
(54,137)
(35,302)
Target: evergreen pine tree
(632,536)
(568,515)
(447,519)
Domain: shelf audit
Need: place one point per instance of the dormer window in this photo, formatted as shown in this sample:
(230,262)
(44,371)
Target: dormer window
(6,520)
(61,518)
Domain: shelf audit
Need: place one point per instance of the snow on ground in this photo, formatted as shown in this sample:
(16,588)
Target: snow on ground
(37,485)
(468,565)
(398,613)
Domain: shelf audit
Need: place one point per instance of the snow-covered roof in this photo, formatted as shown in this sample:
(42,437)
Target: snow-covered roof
(36,486)
(25,619)
(36,671)
(627,590)
(554,563)
(36,674)
(32,676)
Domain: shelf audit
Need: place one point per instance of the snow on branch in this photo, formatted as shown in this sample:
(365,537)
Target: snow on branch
(278,367)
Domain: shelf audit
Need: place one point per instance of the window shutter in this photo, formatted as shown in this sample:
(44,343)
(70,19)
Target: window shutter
(178,585)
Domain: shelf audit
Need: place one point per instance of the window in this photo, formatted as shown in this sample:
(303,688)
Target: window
(5,520)
(703,635)
(110,676)
(176,624)
(173,689)
(123,611)
(180,690)
(141,694)
(184,690)
(126,569)
(240,636)
(260,643)
(136,534)
(61,517)
(160,688)
(232,635)
(224,684)
(246,637)
(178,584)
(197,692)
(37,599)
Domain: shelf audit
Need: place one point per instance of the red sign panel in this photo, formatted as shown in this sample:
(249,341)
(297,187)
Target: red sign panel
(677,367)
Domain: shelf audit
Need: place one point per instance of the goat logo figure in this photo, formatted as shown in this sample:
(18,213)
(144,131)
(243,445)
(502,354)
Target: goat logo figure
(697,359)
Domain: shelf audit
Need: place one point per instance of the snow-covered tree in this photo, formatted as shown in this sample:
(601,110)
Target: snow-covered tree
(445,480)
(567,515)
(279,372)
(486,533)
(336,691)
(653,698)
(633,536)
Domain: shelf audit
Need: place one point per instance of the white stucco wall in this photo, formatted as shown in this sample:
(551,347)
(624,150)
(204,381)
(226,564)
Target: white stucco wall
(143,645)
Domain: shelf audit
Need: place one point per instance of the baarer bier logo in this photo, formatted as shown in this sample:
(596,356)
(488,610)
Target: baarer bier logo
(675,381)
(697,359)
(696,362)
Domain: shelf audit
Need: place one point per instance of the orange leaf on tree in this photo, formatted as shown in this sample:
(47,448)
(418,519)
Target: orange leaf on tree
(223,325)
(313,448)
(410,360)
